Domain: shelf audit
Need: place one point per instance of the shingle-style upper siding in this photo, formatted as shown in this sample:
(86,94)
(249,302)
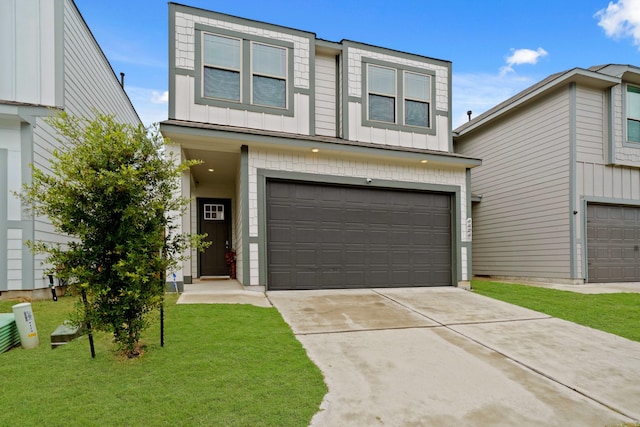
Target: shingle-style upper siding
(311,71)
(623,153)
(439,142)
(521,227)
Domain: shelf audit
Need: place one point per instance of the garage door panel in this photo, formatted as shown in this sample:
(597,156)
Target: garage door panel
(613,239)
(362,236)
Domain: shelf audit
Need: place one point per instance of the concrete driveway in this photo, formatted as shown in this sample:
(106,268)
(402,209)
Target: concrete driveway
(449,357)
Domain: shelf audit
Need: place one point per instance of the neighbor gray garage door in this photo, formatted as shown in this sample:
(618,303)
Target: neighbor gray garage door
(326,236)
(613,243)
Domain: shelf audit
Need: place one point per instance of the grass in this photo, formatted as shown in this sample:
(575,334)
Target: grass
(615,313)
(221,365)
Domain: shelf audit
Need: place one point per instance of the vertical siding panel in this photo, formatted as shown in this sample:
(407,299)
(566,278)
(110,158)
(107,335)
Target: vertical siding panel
(7,49)
(326,95)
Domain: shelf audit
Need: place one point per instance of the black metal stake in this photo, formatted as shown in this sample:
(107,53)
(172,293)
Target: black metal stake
(93,350)
(53,289)
(162,324)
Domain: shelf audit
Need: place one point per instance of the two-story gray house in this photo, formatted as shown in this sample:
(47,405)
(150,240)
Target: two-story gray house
(49,61)
(325,164)
(559,188)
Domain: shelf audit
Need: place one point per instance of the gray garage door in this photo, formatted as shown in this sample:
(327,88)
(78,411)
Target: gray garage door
(325,236)
(613,243)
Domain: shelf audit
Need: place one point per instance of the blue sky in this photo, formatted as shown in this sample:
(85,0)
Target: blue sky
(497,47)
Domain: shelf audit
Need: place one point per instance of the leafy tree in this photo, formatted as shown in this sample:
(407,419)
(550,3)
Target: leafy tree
(113,190)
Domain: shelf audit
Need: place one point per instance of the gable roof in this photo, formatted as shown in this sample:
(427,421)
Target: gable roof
(602,76)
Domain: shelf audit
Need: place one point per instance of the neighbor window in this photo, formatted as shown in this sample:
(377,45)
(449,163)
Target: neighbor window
(221,61)
(633,113)
(397,97)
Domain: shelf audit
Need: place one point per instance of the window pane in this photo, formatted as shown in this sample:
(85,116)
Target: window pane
(633,102)
(381,80)
(417,86)
(269,92)
(633,130)
(382,108)
(222,84)
(416,113)
(221,51)
(269,60)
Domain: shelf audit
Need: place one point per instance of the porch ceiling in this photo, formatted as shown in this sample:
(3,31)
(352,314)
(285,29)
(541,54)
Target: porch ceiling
(224,164)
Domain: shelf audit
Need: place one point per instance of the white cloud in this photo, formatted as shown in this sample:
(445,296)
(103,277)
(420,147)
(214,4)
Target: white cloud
(522,56)
(621,19)
(151,104)
(480,92)
(158,97)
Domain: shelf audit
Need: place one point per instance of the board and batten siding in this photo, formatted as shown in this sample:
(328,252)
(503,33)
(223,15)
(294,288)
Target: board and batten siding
(326,114)
(28,68)
(595,178)
(521,226)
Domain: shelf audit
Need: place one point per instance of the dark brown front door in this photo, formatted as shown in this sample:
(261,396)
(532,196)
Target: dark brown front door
(214,217)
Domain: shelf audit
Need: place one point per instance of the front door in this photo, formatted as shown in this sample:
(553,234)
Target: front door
(214,220)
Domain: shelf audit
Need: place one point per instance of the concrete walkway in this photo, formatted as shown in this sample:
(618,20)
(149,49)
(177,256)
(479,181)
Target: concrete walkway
(445,356)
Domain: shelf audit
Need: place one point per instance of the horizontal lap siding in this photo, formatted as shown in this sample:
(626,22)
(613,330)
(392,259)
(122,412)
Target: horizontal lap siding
(590,125)
(521,226)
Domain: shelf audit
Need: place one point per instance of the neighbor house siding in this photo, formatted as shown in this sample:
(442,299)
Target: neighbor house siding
(624,154)
(590,125)
(29,67)
(326,95)
(521,226)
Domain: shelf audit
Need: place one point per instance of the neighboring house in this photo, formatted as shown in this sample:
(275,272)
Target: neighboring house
(49,61)
(560,180)
(326,164)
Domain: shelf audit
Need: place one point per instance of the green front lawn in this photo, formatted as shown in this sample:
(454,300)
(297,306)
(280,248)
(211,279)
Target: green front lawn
(222,365)
(615,313)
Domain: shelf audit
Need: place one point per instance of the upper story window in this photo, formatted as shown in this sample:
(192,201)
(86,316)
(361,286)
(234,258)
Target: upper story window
(221,62)
(417,99)
(633,113)
(397,97)
(269,75)
(242,71)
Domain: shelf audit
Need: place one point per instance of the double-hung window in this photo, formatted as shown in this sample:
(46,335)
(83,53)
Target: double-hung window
(397,98)
(633,113)
(382,94)
(222,67)
(243,71)
(417,90)
(269,75)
